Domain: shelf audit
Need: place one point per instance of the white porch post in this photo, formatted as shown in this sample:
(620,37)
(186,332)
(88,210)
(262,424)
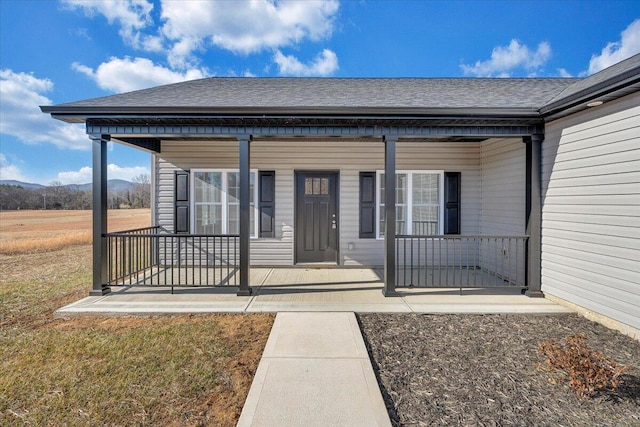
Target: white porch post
(100,286)
(534,213)
(245,218)
(390,217)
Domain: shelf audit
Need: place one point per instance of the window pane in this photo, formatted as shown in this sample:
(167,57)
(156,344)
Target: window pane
(401,188)
(233,204)
(233,186)
(425,220)
(208,186)
(425,188)
(208,219)
(252,219)
(401,219)
(308,186)
(233,217)
(252,178)
(316,185)
(324,186)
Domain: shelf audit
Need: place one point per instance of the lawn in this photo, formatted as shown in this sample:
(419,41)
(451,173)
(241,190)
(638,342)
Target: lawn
(160,370)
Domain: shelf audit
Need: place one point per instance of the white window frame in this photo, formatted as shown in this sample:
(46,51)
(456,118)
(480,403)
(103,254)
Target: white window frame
(224,199)
(409,204)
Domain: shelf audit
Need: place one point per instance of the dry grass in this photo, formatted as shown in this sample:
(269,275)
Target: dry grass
(42,231)
(162,370)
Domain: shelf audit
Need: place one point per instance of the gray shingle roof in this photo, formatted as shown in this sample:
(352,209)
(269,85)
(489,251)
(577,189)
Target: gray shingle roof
(356,96)
(328,93)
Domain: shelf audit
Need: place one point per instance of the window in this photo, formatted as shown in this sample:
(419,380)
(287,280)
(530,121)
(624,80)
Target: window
(216,200)
(316,186)
(419,203)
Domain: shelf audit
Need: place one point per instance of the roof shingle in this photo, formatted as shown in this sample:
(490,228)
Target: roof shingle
(327,93)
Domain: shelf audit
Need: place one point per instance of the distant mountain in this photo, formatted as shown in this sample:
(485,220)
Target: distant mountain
(117,185)
(21,184)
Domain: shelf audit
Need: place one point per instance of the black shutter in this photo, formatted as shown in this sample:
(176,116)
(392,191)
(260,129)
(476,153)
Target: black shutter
(452,186)
(181,196)
(367,205)
(267,203)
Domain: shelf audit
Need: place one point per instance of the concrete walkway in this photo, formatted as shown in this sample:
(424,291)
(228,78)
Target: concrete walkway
(300,289)
(314,371)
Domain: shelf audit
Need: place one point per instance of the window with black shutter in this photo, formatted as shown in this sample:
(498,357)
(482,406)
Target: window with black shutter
(367,205)
(267,203)
(181,196)
(452,187)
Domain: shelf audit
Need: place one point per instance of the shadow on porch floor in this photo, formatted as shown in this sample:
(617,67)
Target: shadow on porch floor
(301,289)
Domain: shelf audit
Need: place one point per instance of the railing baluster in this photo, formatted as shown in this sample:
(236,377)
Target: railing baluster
(433,261)
(502,256)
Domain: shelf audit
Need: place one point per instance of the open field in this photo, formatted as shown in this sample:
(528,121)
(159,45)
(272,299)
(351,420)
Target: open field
(161,370)
(40,231)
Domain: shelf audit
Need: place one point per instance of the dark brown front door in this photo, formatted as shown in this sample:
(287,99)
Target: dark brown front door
(316,217)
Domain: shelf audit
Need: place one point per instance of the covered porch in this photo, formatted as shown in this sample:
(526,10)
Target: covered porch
(175,256)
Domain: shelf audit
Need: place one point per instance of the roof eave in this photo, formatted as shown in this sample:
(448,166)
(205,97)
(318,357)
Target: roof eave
(590,93)
(75,114)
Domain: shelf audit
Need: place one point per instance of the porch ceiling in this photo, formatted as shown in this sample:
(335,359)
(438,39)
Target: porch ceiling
(467,128)
(302,120)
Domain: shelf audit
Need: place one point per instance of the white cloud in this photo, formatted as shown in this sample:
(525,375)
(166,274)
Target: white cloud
(10,171)
(505,59)
(614,52)
(244,26)
(326,63)
(21,95)
(85,174)
(190,26)
(562,72)
(126,74)
(132,16)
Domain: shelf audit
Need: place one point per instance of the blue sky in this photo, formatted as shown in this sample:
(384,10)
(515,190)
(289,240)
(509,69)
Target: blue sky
(53,52)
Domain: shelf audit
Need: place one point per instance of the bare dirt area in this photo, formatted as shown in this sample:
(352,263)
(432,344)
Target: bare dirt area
(157,370)
(40,231)
(486,370)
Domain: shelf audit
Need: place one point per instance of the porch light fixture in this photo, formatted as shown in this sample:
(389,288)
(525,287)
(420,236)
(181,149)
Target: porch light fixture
(595,103)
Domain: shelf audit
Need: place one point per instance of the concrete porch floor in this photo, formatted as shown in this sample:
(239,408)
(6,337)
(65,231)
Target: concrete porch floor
(309,289)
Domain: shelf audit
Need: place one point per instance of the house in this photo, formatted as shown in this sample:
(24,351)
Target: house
(525,182)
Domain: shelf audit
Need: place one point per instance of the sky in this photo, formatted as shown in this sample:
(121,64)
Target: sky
(57,51)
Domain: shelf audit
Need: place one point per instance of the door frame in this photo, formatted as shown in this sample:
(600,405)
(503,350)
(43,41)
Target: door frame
(296,173)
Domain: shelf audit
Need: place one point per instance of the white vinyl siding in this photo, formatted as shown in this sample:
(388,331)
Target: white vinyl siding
(349,158)
(503,187)
(503,199)
(591,210)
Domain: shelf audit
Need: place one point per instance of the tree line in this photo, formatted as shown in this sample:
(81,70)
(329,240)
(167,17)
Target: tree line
(57,196)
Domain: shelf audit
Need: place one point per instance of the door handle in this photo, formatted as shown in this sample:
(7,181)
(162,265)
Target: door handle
(333,224)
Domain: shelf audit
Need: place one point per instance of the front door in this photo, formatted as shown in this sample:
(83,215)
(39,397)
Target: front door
(316,217)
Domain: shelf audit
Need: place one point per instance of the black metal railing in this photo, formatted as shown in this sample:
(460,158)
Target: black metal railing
(152,257)
(460,261)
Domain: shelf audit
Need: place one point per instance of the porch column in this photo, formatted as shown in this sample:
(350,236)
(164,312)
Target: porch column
(533,213)
(245,230)
(100,260)
(390,217)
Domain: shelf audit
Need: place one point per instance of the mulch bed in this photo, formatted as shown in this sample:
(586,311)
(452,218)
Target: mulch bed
(486,370)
